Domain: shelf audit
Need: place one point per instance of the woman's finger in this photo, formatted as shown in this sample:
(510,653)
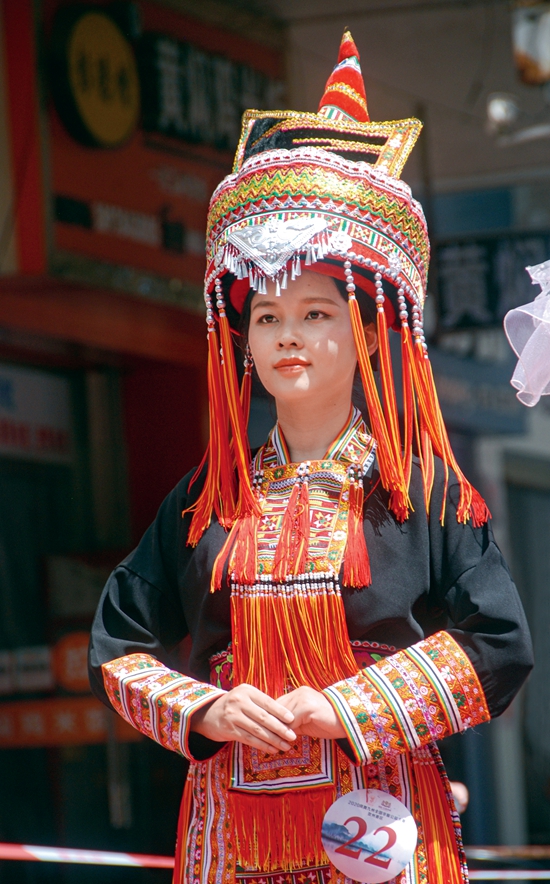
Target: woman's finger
(256,710)
(249,730)
(274,707)
(249,740)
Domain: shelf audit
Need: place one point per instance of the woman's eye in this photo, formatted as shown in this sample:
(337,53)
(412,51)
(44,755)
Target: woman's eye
(316,314)
(267,317)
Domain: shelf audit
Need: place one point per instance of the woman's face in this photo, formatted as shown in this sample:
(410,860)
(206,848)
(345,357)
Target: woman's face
(302,342)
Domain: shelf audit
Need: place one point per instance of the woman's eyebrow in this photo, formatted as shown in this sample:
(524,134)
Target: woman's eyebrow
(315,299)
(263,303)
(318,300)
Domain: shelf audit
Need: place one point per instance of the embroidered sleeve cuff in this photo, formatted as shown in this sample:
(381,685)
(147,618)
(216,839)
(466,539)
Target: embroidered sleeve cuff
(353,716)
(423,693)
(155,700)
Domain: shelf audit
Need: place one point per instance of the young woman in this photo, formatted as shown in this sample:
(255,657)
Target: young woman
(345,598)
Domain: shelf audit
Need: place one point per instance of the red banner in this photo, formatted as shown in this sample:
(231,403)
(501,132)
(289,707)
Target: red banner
(70,721)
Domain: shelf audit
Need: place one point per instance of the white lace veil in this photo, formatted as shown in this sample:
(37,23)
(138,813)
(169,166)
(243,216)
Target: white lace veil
(528,331)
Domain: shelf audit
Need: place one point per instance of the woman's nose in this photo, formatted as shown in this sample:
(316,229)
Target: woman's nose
(288,337)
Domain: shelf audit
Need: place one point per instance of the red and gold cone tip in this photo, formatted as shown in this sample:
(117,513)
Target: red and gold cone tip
(345,95)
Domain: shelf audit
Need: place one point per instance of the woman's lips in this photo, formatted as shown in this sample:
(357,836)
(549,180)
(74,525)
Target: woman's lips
(290,366)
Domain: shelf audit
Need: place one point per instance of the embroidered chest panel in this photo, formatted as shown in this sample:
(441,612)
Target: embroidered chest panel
(328,483)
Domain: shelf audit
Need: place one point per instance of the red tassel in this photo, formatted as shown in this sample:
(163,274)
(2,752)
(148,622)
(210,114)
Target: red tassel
(281,831)
(408,404)
(439,834)
(434,436)
(388,387)
(221,558)
(301,532)
(246,393)
(283,554)
(357,571)
(218,493)
(244,562)
(389,460)
(246,501)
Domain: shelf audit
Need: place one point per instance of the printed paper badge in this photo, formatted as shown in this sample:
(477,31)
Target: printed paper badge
(369,835)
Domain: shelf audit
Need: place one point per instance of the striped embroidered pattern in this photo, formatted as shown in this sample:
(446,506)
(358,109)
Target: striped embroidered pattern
(418,695)
(155,700)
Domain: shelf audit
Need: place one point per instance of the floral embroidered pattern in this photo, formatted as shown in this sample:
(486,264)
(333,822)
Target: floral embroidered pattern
(156,700)
(418,695)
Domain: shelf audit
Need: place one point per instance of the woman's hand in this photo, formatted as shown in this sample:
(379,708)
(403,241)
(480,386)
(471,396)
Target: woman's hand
(248,715)
(314,715)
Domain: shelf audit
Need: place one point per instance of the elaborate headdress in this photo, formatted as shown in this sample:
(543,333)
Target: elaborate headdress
(323,190)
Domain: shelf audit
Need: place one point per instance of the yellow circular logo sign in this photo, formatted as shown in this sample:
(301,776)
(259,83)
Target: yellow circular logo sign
(102,78)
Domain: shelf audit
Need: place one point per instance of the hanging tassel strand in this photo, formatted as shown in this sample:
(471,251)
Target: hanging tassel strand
(391,467)
(219,490)
(246,502)
(357,571)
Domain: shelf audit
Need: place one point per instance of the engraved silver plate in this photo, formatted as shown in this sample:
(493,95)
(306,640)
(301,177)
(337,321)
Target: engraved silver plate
(270,245)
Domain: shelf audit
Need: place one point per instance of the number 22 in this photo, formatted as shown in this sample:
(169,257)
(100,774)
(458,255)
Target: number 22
(346,850)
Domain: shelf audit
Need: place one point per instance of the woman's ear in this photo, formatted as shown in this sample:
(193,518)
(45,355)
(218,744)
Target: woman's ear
(371,337)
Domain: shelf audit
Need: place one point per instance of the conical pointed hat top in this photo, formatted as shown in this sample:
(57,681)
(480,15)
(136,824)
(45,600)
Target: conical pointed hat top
(345,96)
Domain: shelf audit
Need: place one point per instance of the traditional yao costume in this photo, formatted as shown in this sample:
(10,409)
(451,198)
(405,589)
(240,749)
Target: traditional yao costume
(342,573)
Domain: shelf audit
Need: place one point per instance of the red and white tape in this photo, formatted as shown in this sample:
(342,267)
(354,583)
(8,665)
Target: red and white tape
(89,857)
(31,852)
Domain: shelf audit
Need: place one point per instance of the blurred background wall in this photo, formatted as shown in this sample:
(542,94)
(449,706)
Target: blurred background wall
(117,120)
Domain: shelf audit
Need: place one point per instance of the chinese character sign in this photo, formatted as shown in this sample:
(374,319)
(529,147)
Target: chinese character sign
(197,96)
(480,280)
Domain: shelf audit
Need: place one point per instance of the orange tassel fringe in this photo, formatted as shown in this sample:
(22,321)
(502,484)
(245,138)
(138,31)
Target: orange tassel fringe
(389,461)
(444,865)
(278,621)
(280,831)
(399,502)
(219,490)
(357,571)
(246,502)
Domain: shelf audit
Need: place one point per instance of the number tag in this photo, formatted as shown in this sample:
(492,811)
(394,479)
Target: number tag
(369,835)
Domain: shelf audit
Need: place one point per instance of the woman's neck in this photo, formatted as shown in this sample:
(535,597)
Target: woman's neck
(309,432)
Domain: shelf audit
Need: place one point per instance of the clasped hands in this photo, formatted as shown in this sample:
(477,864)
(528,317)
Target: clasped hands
(247,715)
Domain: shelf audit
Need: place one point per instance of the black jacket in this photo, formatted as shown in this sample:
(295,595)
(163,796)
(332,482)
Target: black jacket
(425,577)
